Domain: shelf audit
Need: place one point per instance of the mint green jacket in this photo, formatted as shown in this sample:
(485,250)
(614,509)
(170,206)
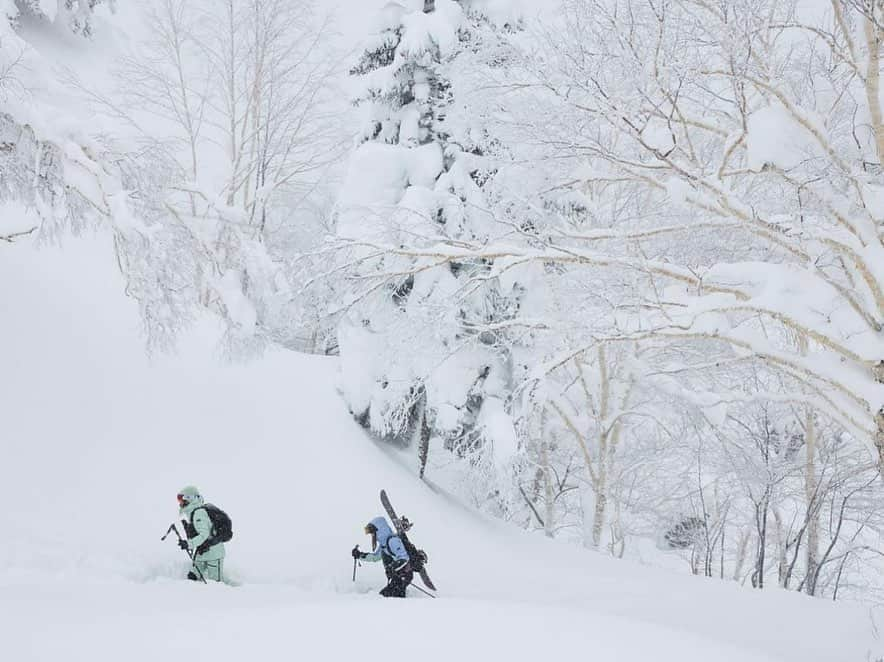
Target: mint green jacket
(203,525)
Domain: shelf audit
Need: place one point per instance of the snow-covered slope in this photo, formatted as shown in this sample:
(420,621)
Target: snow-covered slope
(95,440)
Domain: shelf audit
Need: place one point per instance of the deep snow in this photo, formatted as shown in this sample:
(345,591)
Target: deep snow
(95,440)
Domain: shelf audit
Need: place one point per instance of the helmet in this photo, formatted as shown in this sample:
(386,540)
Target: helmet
(187,494)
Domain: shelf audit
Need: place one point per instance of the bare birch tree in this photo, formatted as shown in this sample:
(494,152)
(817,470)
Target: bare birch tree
(750,123)
(234,106)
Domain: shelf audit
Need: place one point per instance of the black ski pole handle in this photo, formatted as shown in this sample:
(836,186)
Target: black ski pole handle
(355,562)
(171,528)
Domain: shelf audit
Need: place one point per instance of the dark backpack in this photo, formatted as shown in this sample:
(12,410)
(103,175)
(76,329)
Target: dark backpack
(222,527)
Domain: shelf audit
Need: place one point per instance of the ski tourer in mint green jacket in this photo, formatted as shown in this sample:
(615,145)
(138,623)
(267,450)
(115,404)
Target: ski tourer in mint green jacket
(198,525)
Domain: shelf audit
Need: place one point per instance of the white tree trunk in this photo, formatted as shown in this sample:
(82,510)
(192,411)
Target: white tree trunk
(810,494)
(549,496)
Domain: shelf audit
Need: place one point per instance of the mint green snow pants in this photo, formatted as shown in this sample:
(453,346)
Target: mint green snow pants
(213,571)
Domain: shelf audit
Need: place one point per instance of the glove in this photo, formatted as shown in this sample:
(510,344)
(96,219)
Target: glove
(357,554)
(183,545)
(202,549)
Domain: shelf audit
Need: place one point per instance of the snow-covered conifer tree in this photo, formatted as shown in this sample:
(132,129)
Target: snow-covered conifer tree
(423,351)
(76,14)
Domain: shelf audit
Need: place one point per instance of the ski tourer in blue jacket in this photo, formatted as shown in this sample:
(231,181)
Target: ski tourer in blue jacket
(387,547)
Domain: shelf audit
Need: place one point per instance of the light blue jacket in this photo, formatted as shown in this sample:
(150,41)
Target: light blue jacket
(387,543)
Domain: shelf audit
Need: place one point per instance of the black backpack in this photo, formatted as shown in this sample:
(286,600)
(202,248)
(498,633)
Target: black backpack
(222,527)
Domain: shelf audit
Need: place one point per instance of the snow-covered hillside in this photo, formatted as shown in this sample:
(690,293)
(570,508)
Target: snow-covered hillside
(96,440)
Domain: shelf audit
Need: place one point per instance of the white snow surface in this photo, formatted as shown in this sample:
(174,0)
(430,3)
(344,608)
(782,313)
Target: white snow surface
(775,138)
(96,439)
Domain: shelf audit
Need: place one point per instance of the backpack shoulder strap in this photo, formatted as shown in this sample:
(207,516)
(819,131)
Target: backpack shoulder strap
(213,533)
(208,513)
(387,544)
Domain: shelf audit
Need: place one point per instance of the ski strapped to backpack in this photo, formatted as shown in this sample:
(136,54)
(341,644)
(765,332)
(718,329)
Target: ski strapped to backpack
(417,556)
(222,526)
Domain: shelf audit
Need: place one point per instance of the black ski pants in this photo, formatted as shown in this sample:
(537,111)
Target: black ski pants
(397,580)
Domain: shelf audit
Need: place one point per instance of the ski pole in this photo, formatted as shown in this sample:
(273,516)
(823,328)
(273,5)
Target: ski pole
(171,528)
(190,555)
(422,590)
(355,549)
